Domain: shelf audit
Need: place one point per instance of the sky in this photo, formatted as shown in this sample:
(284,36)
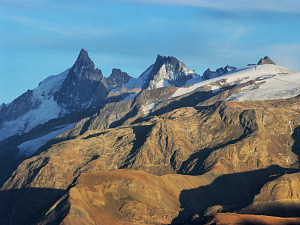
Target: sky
(39,38)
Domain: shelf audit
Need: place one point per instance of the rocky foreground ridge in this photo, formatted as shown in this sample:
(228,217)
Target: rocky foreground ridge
(171,155)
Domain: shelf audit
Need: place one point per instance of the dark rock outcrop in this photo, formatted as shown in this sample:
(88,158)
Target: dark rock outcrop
(18,107)
(83,86)
(265,60)
(117,79)
(208,74)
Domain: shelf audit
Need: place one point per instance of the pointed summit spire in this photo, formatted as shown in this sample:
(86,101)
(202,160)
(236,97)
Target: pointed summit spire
(83,59)
(84,68)
(83,54)
(83,85)
(165,59)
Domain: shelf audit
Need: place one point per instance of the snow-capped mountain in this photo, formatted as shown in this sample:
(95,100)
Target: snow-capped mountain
(169,133)
(166,71)
(75,89)
(32,108)
(84,86)
(268,81)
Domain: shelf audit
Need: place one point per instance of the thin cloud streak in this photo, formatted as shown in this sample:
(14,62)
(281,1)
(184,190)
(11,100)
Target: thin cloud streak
(64,29)
(42,5)
(130,33)
(281,6)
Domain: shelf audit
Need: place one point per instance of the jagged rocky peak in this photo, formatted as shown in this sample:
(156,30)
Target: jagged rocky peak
(84,68)
(208,74)
(265,60)
(83,86)
(117,78)
(167,69)
(83,58)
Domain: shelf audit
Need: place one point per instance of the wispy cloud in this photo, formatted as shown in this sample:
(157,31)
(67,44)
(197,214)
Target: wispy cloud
(62,27)
(285,6)
(281,6)
(43,5)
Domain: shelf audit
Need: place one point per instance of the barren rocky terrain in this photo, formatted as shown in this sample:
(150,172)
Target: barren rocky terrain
(179,164)
(159,155)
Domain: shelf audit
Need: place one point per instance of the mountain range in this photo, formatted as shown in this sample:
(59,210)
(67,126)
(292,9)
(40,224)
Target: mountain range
(168,147)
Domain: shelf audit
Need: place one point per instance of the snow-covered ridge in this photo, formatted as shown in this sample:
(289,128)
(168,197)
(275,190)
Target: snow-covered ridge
(48,108)
(272,82)
(51,84)
(167,71)
(281,86)
(169,74)
(137,82)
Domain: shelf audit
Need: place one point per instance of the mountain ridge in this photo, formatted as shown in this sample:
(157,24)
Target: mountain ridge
(181,154)
(80,87)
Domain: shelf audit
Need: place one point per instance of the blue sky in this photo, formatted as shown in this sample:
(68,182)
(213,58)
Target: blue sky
(39,38)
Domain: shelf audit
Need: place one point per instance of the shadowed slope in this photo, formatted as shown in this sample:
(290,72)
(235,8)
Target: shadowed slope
(27,205)
(229,193)
(245,219)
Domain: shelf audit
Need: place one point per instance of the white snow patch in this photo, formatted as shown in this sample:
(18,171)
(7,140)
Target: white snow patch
(138,82)
(47,110)
(168,72)
(278,87)
(243,74)
(148,108)
(51,84)
(215,88)
(194,80)
(29,147)
(162,83)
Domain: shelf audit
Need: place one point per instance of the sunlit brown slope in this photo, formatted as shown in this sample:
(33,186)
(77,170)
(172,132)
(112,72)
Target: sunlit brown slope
(194,139)
(137,197)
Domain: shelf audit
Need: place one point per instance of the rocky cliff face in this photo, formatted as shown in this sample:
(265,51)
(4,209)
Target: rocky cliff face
(18,107)
(233,144)
(117,79)
(167,70)
(83,86)
(74,90)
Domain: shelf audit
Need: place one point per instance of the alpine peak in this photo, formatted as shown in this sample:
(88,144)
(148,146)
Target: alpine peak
(83,59)
(166,69)
(84,68)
